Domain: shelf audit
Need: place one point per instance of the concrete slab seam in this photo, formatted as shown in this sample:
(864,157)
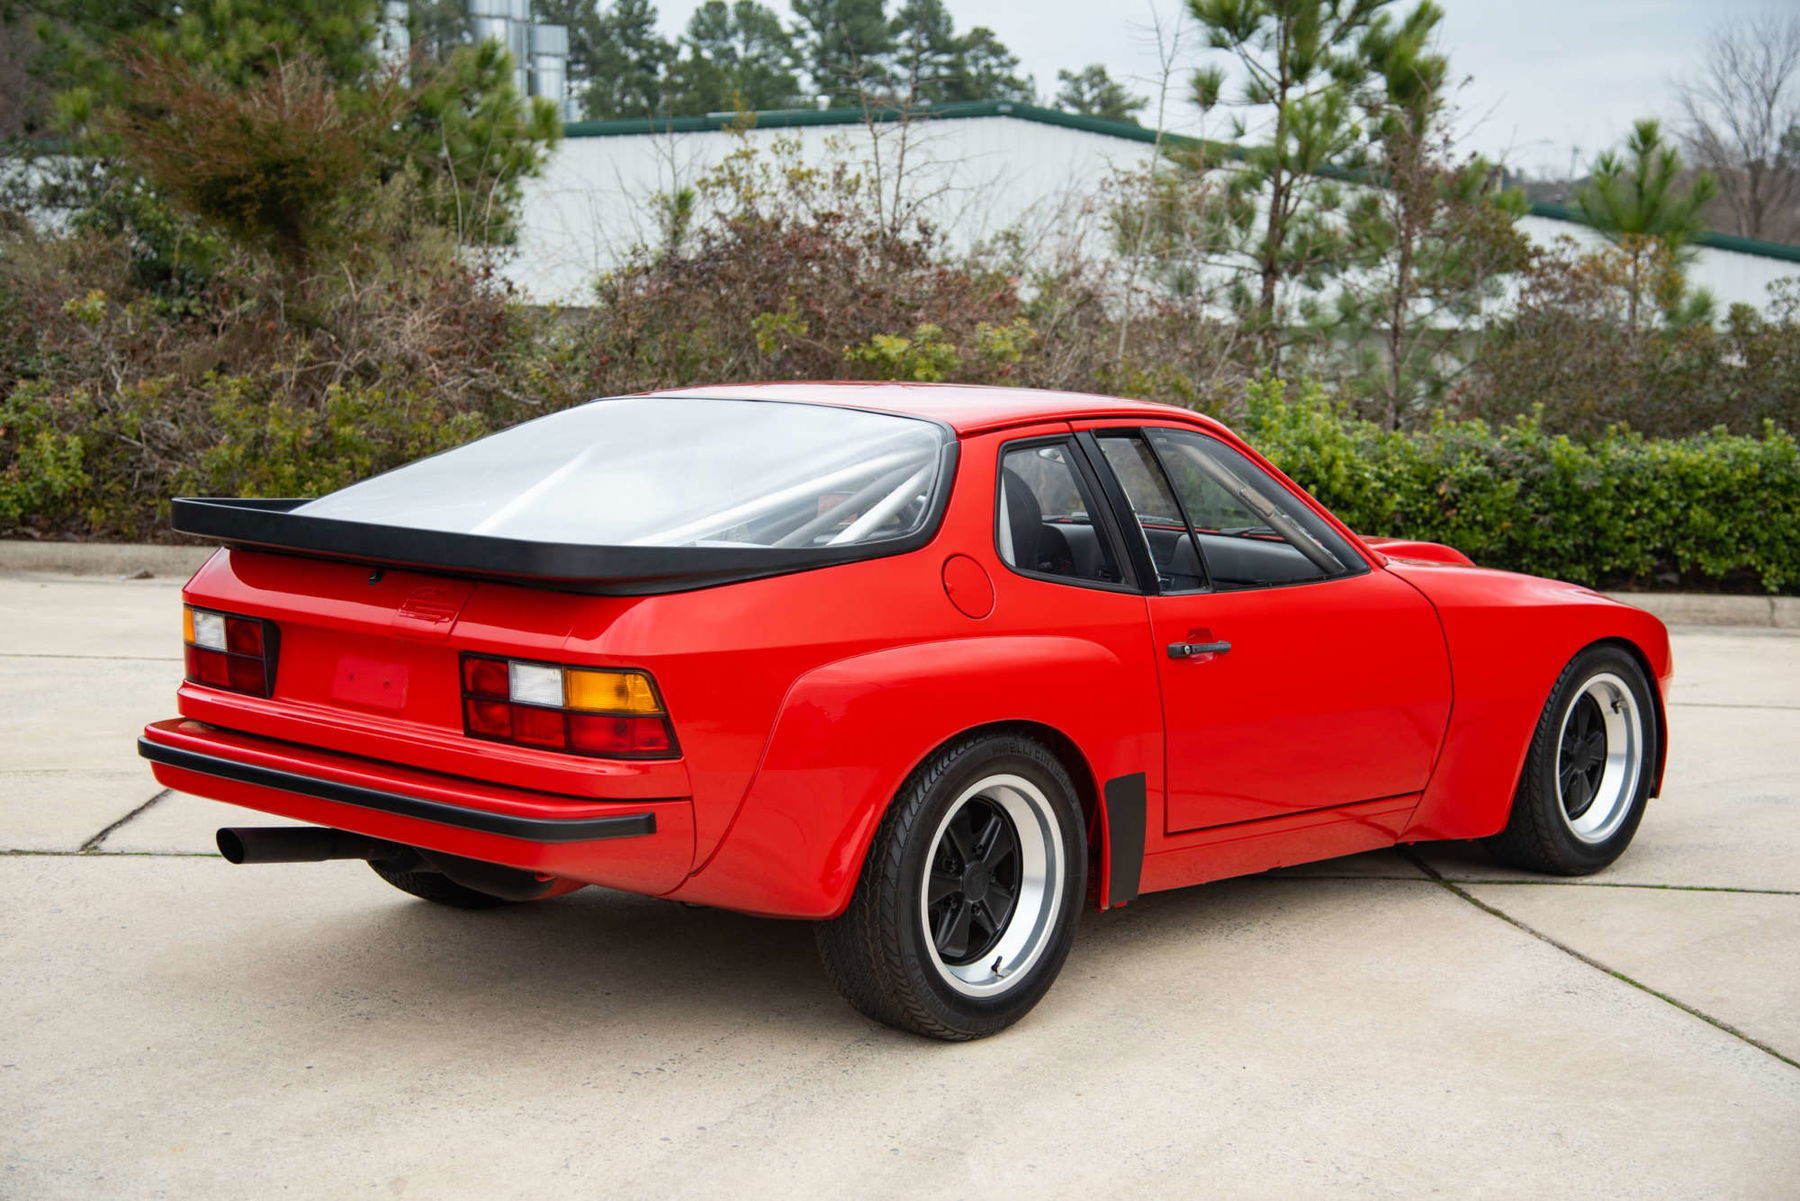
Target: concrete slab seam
(1761,892)
(1767,892)
(1728,705)
(1590,961)
(93,844)
(129,658)
(26,852)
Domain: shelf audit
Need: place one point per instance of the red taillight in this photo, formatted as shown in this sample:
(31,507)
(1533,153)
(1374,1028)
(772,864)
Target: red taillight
(539,727)
(490,719)
(244,637)
(615,714)
(601,735)
(208,667)
(484,677)
(229,652)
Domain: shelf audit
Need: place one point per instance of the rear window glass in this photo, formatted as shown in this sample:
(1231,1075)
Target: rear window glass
(659,471)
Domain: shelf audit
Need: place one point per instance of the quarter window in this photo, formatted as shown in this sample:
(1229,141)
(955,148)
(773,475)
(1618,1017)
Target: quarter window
(1045,517)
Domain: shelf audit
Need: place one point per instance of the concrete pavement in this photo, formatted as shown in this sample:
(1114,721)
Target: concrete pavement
(1386,1025)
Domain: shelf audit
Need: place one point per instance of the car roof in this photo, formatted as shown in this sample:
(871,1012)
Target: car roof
(965,408)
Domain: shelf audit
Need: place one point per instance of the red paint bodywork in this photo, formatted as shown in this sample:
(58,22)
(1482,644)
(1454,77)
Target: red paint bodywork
(1351,714)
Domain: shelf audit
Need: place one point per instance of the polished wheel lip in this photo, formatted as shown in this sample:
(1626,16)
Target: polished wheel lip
(1031,924)
(1598,765)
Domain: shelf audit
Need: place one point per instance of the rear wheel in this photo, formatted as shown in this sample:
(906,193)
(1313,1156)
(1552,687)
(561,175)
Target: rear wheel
(1588,772)
(967,903)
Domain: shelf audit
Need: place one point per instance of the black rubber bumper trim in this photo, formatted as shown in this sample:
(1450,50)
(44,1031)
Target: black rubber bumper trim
(532,829)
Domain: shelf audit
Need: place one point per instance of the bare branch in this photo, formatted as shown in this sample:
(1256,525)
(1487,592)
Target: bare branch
(1742,120)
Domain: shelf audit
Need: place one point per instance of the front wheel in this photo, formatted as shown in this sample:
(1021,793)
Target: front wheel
(1588,772)
(966,906)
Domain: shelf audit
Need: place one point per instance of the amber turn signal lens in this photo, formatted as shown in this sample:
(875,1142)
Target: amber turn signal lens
(611,692)
(604,712)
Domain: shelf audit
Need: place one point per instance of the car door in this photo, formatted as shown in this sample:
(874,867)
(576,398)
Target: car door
(1295,676)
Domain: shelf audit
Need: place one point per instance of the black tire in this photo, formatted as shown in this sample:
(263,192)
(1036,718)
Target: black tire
(919,961)
(1588,772)
(436,887)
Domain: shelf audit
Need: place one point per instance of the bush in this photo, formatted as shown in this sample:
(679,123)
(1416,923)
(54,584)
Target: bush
(771,268)
(1572,353)
(1620,511)
(795,275)
(118,399)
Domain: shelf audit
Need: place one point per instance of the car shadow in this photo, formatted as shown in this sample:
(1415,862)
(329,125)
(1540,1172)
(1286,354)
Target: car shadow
(599,960)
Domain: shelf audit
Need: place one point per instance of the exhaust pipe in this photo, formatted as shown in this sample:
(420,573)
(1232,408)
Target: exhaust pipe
(301,844)
(315,844)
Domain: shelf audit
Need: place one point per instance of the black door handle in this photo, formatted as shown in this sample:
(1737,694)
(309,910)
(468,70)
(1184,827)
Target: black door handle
(1187,650)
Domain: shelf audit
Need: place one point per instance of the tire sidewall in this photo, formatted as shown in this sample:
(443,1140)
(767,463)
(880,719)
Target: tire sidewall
(979,761)
(1603,660)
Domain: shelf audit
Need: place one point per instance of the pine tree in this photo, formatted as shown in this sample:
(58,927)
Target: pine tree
(846,47)
(1092,92)
(267,71)
(925,51)
(984,69)
(1431,240)
(1641,193)
(628,63)
(1639,202)
(736,56)
(1301,62)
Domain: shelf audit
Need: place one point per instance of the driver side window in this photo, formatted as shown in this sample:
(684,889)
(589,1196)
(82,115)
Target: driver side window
(1212,518)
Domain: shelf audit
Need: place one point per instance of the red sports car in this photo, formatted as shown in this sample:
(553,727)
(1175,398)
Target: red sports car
(931,666)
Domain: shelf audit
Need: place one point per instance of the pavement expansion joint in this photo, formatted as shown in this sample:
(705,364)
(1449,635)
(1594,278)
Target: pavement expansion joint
(1730,705)
(1452,887)
(93,844)
(26,852)
(105,658)
(1766,892)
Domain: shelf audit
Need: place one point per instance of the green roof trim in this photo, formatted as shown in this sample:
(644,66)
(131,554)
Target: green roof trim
(789,118)
(1712,237)
(792,118)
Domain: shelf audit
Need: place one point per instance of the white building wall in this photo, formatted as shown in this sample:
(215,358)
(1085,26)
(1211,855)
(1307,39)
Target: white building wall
(1731,276)
(971,176)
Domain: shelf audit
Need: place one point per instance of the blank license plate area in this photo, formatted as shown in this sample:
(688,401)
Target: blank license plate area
(369,683)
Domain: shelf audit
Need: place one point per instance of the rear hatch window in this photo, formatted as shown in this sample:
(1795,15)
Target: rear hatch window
(671,472)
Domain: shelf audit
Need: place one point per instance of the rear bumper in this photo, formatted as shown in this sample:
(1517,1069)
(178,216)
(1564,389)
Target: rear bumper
(637,845)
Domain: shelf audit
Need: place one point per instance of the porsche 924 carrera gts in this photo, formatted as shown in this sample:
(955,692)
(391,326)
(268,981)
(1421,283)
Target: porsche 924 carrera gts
(934,667)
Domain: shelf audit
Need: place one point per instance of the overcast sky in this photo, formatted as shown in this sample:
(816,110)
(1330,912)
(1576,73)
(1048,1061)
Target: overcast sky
(1549,80)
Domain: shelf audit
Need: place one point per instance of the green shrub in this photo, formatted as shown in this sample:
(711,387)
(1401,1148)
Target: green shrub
(1621,510)
(124,399)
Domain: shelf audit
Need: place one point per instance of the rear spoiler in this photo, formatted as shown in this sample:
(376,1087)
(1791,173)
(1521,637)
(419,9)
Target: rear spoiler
(272,524)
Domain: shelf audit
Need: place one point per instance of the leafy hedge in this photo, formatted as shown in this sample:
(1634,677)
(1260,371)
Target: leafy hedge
(1713,510)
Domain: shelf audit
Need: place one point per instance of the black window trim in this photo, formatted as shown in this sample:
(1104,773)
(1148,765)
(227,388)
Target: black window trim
(1122,503)
(1123,515)
(1099,511)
